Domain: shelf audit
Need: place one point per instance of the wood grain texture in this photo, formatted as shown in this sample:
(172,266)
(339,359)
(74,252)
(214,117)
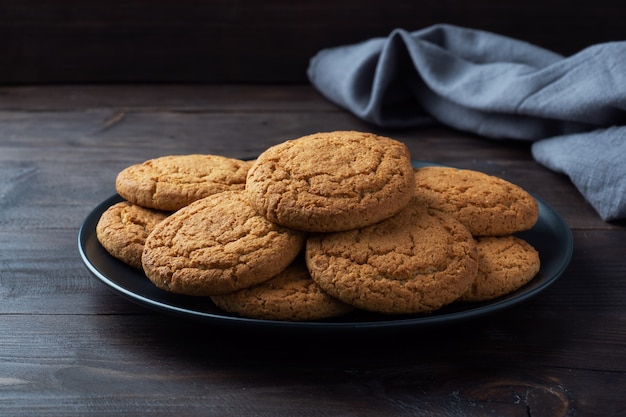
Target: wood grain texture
(250,41)
(121,365)
(69,346)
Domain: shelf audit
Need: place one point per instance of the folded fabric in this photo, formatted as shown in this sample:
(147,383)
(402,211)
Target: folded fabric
(596,164)
(496,87)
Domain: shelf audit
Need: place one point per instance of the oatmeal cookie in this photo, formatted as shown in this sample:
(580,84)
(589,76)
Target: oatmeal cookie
(291,296)
(485,204)
(172,182)
(216,245)
(123,228)
(331,181)
(505,264)
(414,262)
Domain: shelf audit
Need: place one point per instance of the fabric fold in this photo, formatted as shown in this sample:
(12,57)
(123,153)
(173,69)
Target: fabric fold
(595,163)
(493,86)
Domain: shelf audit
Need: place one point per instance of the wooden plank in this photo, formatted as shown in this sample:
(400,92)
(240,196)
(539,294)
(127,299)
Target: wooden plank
(78,141)
(71,347)
(109,366)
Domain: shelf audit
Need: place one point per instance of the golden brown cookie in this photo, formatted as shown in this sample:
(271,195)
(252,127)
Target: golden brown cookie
(331,181)
(485,204)
(123,228)
(504,264)
(291,296)
(217,245)
(171,182)
(416,261)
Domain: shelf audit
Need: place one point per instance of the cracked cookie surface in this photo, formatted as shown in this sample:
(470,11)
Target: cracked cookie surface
(505,264)
(217,245)
(485,204)
(331,181)
(172,182)
(291,295)
(123,228)
(416,261)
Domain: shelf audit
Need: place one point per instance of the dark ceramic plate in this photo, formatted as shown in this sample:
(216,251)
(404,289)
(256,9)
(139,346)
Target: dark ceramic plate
(550,236)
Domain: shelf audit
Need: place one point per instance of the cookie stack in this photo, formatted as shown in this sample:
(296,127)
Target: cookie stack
(319,226)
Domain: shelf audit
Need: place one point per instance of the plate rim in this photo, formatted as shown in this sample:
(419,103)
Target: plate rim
(547,213)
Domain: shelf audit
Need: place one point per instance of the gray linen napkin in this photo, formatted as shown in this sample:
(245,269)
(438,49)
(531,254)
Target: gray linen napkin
(574,108)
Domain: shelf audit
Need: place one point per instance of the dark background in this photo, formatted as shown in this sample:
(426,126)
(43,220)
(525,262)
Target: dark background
(252,41)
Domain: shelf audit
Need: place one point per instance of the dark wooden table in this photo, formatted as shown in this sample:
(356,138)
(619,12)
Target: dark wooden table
(69,346)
